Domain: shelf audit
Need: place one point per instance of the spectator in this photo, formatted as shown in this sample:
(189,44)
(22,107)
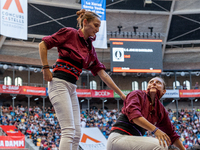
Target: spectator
(35,139)
(83,123)
(22,109)
(10,108)
(197,144)
(184,86)
(196,85)
(187,126)
(22,127)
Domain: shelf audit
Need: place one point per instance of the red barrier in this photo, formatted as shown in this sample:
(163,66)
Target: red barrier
(25,90)
(189,93)
(12,142)
(15,138)
(30,90)
(102,93)
(84,93)
(11,131)
(94,93)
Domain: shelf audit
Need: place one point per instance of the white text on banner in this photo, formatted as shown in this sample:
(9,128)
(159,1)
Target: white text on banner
(171,94)
(14,18)
(92,139)
(99,7)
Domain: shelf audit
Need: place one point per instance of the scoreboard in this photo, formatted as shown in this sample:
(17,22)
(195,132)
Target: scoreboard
(136,55)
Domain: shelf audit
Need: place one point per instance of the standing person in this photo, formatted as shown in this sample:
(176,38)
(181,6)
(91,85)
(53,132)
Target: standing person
(142,111)
(196,85)
(75,51)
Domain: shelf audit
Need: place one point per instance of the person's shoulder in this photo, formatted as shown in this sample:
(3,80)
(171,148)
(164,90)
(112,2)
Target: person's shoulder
(138,92)
(71,29)
(67,30)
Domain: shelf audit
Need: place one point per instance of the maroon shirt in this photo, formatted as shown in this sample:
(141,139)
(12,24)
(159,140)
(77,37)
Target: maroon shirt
(138,104)
(71,43)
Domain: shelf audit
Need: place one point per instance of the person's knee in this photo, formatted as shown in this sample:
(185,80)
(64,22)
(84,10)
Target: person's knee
(78,133)
(68,132)
(165,148)
(154,143)
(159,147)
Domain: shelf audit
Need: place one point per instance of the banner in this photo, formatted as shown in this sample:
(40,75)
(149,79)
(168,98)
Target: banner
(15,138)
(126,92)
(11,130)
(189,93)
(171,94)
(99,7)
(47,94)
(13,21)
(102,93)
(84,93)
(30,90)
(92,139)
(11,89)
(12,142)
(25,90)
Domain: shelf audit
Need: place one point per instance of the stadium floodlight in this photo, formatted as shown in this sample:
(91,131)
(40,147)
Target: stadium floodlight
(5,66)
(135,29)
(182,73)
(168,74)
(151,29)
(153,74)
(119,28)
(20,68)
(35,70)
(124,74)
(36,99)
(139,74)
(147,3)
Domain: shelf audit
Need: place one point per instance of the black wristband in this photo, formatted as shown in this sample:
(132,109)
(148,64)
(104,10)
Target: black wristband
(45,67)
(154,131)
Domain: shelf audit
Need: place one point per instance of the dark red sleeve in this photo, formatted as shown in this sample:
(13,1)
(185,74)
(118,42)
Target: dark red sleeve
(166,126)
(57,38)
(132,105)
(96,65)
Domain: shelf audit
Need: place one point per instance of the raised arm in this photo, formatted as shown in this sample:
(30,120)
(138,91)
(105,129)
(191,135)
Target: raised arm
(110,83)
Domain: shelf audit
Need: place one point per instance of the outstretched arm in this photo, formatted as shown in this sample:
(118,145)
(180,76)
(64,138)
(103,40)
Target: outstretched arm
(142,122)
(110,83)
(47,75)
(178,144)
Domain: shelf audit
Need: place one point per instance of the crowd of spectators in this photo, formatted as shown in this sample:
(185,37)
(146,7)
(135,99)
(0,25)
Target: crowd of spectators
(44,130)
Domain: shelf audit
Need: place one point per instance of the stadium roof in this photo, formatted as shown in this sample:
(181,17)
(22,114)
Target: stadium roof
(176,22)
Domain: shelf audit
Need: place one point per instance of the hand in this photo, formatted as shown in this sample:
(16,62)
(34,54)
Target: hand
(123,96)
(47,75)
(162,137)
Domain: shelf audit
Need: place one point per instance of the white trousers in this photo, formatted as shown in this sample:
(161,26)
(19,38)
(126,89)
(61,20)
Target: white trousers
(118,141)
(63,97)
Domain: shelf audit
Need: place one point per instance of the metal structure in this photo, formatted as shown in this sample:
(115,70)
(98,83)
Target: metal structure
(175,22)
